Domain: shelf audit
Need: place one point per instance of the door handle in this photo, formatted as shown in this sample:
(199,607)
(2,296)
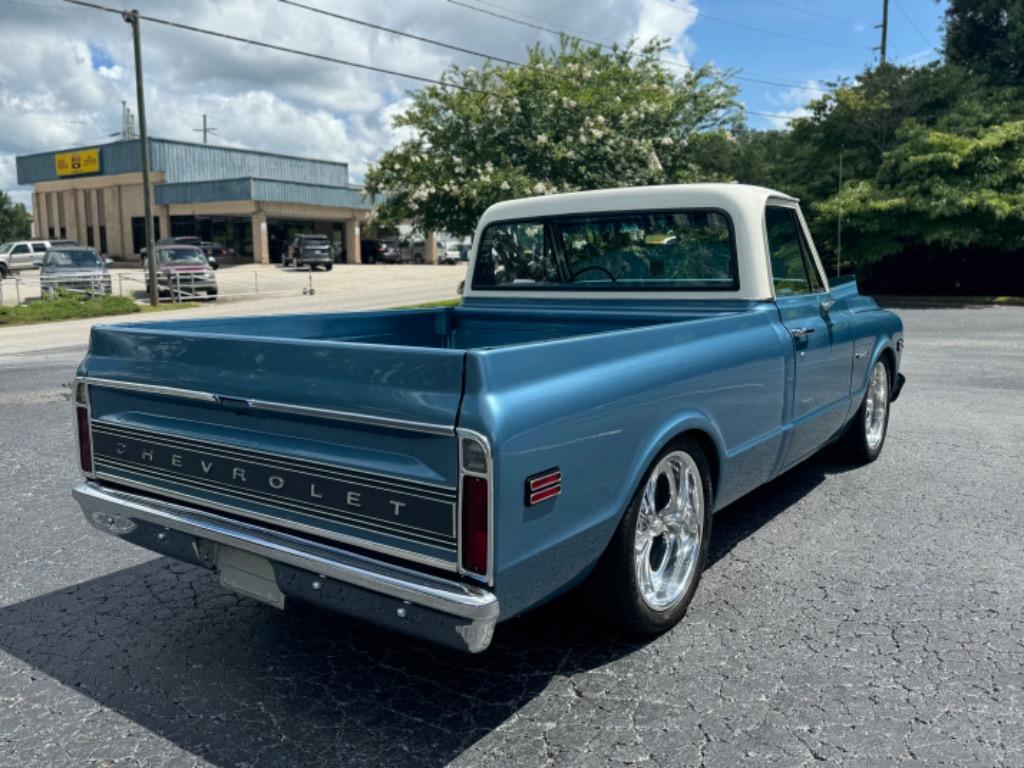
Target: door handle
(800,333)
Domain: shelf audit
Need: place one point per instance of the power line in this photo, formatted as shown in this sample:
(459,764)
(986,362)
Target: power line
(525,23)
(912,24)
(399,32)
(559,31)
(19,116)
(761,30)
(275,47)
(809,12)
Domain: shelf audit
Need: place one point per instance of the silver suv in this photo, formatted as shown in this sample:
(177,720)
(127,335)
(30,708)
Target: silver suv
(21,254)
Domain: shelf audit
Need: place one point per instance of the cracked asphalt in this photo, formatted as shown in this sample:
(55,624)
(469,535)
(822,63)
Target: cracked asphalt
(863,616)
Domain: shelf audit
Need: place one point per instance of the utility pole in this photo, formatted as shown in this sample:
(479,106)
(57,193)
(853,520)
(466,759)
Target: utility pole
(884,26)
(132,17)
(839,222)
(205,129)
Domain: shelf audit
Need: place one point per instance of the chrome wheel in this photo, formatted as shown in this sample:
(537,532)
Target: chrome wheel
(876,405)
(669,531)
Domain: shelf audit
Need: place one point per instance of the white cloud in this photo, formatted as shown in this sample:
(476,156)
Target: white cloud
(74,66)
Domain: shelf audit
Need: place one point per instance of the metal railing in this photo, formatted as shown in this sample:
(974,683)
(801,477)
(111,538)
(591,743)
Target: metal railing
(24,290)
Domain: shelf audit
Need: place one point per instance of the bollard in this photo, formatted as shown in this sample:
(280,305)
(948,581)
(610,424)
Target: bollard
(256,281)
(17,290)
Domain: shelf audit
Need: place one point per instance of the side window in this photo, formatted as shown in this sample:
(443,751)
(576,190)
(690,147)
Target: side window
(789,253)
(39,247)
(812,270)
(22,248)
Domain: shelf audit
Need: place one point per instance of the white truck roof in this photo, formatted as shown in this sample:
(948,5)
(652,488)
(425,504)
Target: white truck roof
(743,203)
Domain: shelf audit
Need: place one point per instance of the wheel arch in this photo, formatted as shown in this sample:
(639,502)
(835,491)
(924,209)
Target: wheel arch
(693,424)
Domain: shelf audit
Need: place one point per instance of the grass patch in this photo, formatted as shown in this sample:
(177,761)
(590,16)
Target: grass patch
(429,304)
(74,307)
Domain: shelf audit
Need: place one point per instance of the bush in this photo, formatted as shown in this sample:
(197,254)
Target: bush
(67,306)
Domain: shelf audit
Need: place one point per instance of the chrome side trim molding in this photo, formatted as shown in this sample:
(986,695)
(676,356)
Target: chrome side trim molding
(450,597)
(276,407)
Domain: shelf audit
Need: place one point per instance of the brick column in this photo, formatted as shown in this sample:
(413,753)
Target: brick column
(260,239)
(71,215)
(40,222)
(352,252)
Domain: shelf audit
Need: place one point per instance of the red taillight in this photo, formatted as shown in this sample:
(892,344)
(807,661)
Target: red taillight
(84,439)
(474,524)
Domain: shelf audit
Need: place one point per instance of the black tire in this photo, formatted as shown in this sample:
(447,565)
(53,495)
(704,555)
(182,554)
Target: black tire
(212,294)
(3,271)
(615,585)
(328,267)
(855,445)
(417,259)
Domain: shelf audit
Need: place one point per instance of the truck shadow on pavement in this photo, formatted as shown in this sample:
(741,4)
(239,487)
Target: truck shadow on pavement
(234,682)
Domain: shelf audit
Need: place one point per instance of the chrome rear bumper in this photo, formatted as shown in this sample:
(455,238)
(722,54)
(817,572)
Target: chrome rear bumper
(438,609)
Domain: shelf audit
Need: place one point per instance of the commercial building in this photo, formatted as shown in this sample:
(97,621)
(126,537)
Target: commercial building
(249,202)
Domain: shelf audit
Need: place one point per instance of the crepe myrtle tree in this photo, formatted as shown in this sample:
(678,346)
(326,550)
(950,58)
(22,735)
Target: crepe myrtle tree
(571,118)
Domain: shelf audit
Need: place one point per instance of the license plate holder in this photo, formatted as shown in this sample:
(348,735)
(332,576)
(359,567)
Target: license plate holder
(249,575)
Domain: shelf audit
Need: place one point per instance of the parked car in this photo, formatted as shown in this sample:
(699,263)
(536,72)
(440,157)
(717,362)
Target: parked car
(413,252)
(310,251)
(214,252)
(21,254)
(182,271)
(575,421)
(74,268)
(176,240)
(454,253)
(379,252)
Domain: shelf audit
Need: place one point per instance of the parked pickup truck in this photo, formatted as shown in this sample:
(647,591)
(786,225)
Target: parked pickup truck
(623,363)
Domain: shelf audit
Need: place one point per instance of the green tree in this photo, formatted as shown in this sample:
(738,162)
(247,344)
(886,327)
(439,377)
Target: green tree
(572,118)
(986,37)
(939,188)
(15,221)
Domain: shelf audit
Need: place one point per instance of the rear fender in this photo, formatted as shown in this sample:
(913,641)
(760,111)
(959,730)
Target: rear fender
(690,420)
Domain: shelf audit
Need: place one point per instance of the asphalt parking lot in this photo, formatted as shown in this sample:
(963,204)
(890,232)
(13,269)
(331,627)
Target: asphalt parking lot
(865,616)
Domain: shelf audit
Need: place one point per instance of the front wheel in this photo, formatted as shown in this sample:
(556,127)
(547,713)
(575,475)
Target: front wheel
(650,572)
(865,435)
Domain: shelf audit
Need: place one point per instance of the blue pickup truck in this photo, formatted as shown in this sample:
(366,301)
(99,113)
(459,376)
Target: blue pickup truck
(623,364)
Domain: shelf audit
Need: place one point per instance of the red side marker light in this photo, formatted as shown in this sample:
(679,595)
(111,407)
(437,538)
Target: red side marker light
(542,486)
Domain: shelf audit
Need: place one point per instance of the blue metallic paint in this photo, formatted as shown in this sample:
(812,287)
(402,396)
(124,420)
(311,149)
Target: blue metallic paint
(596,387)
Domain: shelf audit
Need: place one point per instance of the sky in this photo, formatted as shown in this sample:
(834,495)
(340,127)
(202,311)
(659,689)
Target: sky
(66,69)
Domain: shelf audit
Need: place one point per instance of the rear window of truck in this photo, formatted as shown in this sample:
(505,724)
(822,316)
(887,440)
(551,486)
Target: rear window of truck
(686,250)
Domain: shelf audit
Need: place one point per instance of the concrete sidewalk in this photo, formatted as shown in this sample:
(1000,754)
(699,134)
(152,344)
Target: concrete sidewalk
(347,287)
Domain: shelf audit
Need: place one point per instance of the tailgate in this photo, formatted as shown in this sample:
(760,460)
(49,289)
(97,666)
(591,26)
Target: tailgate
(345,441)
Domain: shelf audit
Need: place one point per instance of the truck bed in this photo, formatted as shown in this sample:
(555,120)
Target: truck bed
(463,328)
(319,402)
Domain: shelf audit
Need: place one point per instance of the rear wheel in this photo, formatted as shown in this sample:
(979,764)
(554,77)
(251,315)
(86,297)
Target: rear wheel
(650,572)
(328,267)
(865,435)
(3,271)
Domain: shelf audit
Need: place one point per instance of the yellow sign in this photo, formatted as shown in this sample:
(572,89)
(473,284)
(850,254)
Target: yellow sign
(79,162)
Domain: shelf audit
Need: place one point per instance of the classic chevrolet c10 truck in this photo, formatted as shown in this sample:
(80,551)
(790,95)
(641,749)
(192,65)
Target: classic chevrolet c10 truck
(623,363)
